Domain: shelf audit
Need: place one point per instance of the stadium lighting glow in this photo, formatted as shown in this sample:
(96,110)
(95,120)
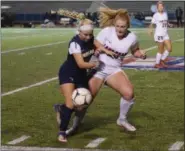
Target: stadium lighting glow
(5,7)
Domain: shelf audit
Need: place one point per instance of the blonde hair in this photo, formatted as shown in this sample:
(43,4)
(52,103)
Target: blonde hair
(85,22)
(160,2)
(75,15)
(109,16)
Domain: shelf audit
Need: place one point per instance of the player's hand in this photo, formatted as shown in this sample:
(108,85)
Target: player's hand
(96,64)
(143,54)
(93,65)
(111,54)
(150,32)
(170,25)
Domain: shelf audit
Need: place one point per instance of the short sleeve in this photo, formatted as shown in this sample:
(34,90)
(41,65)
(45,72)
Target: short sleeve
(154,21)
(102,35)
(135,43)
(134,40)
(74,48)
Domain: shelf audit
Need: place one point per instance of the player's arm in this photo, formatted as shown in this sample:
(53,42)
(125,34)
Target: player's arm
(151,26)
(150,29)
(101,49)
(75,50)
(137,52)
(81,63)
(100,40)
(170,25)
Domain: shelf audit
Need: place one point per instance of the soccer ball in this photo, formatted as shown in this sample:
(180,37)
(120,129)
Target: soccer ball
(81,97)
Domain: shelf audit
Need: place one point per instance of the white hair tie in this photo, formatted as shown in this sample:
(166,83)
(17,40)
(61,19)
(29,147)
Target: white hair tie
(86,27)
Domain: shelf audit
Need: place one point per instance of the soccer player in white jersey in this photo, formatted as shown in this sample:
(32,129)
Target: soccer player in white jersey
(160,19)
(115,37)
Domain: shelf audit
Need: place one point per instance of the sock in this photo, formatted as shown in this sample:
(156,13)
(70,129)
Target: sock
(158,58)
(65,115)
(79,115)
(165,55)
(125,107)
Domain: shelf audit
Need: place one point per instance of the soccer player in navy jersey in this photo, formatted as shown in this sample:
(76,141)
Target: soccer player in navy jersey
(73,72)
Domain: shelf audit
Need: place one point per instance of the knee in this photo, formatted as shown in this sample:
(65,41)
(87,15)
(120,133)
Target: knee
(129,93)
(170,50)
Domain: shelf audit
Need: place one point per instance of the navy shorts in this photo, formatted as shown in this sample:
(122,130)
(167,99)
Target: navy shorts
(79,79)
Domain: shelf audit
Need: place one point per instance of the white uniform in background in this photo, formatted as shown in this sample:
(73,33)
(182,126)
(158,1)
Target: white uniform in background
(109,65)
(161,30)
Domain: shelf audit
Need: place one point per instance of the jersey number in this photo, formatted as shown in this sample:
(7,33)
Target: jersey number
(164,25)
(160,37)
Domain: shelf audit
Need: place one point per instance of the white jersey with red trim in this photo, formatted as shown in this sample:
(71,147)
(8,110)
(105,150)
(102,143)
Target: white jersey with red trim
(161,22)
(109,39)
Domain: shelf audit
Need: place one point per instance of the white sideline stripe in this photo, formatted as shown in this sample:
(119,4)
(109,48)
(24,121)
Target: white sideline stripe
(37,46)
(36,35)
(22,53)
(18,140)
(49,53)
(46,81)
(176,146)
(21,148)
(95,143)
(30,86)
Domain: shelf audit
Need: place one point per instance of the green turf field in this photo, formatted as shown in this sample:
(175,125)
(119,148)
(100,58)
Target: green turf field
(30,56)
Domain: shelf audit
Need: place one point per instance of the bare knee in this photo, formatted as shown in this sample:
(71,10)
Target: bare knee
(129,93)
(170,50)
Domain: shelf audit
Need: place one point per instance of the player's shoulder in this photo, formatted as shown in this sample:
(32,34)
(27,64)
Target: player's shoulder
(165,13)
(132,35)
(156,14)
(75,40)
(74,43)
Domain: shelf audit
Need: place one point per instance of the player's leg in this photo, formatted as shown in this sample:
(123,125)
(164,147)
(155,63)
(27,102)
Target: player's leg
(94,85)
(66,110)
(160,44)
(120,82)
(168,46)
(180,20)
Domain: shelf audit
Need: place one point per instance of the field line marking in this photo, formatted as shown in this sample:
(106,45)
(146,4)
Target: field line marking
(18,140)
(30,86)
(54,78)
(24,148)
(49,53)
(95,143)
(176,146)
(36,46)
(15,37)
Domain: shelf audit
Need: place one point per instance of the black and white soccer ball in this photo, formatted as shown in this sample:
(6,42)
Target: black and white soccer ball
(81,97)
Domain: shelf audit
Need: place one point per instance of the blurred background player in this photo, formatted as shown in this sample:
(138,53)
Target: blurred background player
(179,16)
(160,19)
(114,37)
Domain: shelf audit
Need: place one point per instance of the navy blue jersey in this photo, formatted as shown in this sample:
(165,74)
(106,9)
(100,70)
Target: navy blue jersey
(69,71)
(87,50)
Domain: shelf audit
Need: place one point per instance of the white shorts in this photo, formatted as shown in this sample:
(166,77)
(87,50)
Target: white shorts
(105,71)
(161,38)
